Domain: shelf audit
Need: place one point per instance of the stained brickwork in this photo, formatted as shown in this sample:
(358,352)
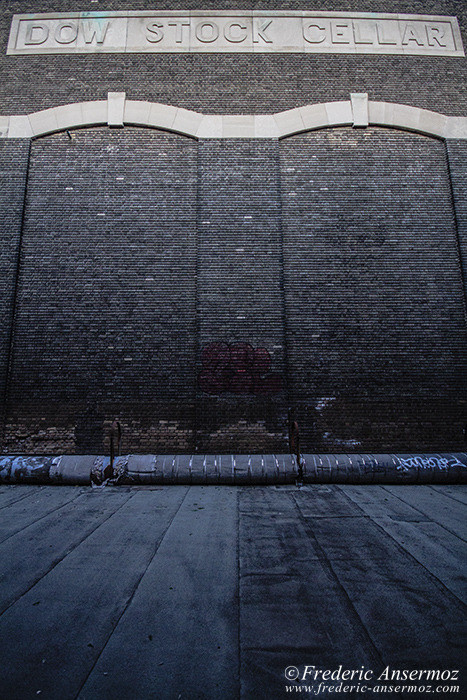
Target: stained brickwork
(376,326)
(239,297)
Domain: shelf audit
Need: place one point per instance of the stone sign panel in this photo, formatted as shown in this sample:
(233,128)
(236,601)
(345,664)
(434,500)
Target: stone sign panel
(231,32)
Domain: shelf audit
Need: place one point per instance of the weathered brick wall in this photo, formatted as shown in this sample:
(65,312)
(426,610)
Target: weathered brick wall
(106,300)
(457,159)
(14,155)
(333,255)
(376,325)
(240,297)
(142,249)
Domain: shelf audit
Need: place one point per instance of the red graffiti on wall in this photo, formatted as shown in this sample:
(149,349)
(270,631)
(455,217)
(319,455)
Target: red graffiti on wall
(238,368)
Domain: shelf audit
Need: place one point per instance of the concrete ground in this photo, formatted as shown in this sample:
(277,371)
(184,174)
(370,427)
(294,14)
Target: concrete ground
(189,592)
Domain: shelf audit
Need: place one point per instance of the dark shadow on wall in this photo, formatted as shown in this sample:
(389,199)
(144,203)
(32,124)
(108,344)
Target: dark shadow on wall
(89,432)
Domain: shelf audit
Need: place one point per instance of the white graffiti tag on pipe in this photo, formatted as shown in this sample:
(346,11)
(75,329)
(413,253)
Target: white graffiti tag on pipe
(429,463)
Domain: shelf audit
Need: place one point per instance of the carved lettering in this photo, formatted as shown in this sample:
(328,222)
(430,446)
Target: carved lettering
(314,33)
(259,31)
(154,32)
(341,32)
(269,31)
(207,32)
(95,30)
(36,34)
(235,32)
(384,34)
(435,34)
(361,36)
(411,33)
(179,30)
(66,32)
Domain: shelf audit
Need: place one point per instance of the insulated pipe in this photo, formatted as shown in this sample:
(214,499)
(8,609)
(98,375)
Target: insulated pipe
(414,468)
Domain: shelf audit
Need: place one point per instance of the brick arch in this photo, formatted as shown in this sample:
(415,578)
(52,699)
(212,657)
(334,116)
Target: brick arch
(117,111)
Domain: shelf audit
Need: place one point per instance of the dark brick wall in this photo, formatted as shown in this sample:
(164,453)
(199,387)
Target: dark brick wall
(13,174)
(236,83)
(457,159)
(240,298)
(334,255)
(106,301)
(123,283)
(376,325)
